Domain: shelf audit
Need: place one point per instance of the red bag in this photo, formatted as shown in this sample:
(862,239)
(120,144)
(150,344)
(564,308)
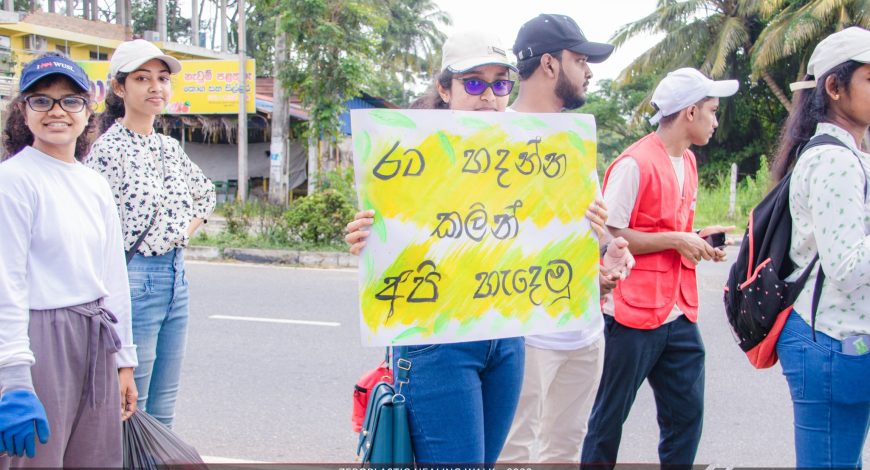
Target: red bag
(361,392)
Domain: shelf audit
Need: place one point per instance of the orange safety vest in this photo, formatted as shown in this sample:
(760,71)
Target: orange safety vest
(659,280)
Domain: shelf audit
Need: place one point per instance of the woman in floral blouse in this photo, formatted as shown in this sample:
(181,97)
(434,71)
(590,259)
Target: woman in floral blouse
(162,198)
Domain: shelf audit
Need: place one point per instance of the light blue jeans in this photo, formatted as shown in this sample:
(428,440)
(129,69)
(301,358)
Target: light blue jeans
(158,291)
(462,398)
(831,397)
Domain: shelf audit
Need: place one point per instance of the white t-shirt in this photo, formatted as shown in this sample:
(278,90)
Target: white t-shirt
(60,246)
(620,196)
(592,330)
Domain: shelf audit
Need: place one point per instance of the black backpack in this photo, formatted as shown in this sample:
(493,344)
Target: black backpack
(757,298)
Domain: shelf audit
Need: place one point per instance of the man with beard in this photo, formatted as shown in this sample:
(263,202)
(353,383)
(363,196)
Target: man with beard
(563,369)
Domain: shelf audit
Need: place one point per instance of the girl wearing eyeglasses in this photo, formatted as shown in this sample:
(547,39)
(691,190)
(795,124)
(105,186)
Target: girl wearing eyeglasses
(65,331)
(162,198)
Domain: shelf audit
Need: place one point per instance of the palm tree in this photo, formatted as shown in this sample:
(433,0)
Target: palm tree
(711,35)
(794,27)
(411,38)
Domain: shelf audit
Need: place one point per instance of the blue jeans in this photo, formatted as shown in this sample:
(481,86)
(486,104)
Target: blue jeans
(830,396)
(462,397)
(158,291)
(671,358)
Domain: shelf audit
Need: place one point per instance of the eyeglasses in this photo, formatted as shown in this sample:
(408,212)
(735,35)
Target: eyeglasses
(476,86)
(70,104)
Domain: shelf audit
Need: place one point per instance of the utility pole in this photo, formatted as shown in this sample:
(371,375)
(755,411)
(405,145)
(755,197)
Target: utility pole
(69,7)
(128,19)
(223,20)
(119,12)
(278,170)
(194,24)
(243,108)
(161,20)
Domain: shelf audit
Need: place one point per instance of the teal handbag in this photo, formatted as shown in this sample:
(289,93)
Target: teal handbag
(385,437)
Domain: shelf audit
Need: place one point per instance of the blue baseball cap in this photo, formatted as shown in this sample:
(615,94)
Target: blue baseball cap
(42,67)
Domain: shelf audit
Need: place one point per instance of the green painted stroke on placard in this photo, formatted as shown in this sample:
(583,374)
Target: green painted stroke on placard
(411,332)
(362,146)
(447,146)
(392,118)
(474,123)
(530,123)
(584,125)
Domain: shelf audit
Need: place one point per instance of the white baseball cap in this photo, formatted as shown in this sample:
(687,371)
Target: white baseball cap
(131,55)
(466,50)
(685,87)
(849,44)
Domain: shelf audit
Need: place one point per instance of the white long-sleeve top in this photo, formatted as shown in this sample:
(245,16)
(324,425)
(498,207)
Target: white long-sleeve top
(831,216)
(60,246)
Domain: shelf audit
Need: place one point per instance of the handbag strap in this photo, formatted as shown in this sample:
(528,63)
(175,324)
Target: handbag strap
(132,251)
(403,371)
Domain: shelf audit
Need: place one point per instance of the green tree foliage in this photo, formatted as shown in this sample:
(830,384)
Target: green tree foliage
(613,106)
(717,37)
(714,36)
(749,40)
(144,15)
(330,43)
(409,49)
(320,217)
(795,26)
(340,48)
(260,29)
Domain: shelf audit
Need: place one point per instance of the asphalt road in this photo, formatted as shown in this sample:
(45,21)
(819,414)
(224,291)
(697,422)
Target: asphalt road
(281,392)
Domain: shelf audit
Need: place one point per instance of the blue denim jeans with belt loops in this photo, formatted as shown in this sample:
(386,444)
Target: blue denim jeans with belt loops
(159,294)
(831,396)
(461,398)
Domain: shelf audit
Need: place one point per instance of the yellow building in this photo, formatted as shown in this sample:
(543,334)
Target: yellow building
(24,36)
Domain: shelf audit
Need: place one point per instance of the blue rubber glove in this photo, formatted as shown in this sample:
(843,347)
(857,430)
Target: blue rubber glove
(21,413)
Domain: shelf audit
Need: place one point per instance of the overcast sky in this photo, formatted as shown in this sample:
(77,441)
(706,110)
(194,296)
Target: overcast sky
(598,19)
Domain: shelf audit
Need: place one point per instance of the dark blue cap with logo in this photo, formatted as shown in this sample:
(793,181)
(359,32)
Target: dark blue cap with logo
(550,33)
(42,67)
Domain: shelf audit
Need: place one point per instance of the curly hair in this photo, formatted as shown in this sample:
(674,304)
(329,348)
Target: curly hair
(114,104)
(16,134)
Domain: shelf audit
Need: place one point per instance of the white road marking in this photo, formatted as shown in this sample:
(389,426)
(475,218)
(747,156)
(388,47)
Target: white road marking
(212,459)
(275,320)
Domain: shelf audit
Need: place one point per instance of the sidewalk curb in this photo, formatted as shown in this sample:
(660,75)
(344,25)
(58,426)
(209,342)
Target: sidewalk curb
(310,259)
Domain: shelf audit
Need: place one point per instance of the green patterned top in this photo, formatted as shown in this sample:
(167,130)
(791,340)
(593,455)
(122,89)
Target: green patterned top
(832,216)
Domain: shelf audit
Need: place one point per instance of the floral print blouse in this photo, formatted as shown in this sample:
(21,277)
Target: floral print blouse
(151,174)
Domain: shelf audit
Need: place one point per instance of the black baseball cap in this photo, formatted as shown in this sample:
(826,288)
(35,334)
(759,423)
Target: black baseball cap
(550,33)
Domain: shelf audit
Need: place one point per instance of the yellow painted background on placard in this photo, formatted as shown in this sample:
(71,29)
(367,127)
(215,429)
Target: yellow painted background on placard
(443,187)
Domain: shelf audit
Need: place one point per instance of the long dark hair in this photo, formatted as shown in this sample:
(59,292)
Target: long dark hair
(431,99)
(114,104)
(809,107)
(16,134)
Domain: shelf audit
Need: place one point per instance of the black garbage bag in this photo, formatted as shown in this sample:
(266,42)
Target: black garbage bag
(149,444)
